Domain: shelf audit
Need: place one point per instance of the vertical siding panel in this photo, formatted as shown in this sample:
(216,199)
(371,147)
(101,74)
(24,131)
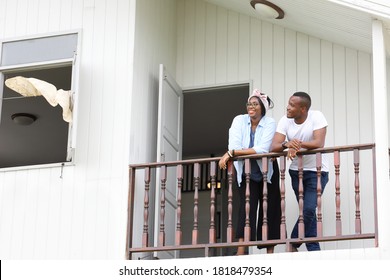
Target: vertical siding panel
(78,214)
(189,42)
(232,46)
(7,214)
(210,44)
(19,208)
(222,45)
(255,52)
(243,48)
(167,53)
(28,236)
(3,14)
(352,97)
(97,85)
(109,88)
(327,86)
(339,93)
(180,58)
(22,16)
(267,56)
(302,62)
(76,16)
(290,64)
(54,15)
(122,62)
(43,16)
(54,217)
(102,218)
(33,17)
(65,20)
(66,221)
(42,197)
(365,98)
(277,95)
(89,241)
(314,72)
(96,130)
(10,21)
(199,52)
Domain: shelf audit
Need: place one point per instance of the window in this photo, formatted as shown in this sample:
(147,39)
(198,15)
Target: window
(49,138)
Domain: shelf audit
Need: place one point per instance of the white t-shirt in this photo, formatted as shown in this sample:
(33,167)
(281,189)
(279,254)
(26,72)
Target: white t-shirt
(315,120)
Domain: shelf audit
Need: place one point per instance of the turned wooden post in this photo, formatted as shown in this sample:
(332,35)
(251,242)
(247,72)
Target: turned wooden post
(179,176)
(145,235)
(264,227)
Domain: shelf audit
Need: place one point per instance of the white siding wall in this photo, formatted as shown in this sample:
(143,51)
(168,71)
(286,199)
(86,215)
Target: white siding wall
(83,214)
(217,46)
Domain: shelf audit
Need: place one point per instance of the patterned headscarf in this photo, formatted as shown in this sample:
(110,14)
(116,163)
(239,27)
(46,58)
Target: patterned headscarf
(263,97)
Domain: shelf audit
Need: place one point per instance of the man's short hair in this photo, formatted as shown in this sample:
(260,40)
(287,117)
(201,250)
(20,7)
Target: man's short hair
(306,100)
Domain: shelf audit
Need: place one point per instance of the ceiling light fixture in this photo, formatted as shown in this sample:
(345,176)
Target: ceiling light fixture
(267,9)
(23,118)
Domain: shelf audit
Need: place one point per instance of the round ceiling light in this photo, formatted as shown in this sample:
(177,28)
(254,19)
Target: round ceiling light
(23,118)
(267,9)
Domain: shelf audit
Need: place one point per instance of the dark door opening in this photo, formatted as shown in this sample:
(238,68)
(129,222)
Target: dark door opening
(208,114)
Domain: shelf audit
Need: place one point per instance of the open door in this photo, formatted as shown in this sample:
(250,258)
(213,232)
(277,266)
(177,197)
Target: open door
(169,148)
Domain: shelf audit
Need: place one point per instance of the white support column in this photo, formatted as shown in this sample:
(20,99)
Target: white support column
(381,134)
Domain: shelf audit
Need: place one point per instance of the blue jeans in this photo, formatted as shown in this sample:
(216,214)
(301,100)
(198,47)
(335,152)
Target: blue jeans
(309,204)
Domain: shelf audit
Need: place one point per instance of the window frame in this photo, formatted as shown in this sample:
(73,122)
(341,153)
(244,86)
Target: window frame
(74,62)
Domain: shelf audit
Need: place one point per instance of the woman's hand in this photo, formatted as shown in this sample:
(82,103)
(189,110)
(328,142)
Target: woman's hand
(223,161)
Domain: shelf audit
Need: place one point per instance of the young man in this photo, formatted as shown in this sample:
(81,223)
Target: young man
(303,129)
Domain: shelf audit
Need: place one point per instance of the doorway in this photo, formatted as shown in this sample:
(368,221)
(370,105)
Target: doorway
(208,114)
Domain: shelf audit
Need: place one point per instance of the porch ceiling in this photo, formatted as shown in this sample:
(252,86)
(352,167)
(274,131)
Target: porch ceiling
(323,19)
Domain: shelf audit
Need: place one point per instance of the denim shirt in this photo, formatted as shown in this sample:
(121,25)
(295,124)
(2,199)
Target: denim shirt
(239,138)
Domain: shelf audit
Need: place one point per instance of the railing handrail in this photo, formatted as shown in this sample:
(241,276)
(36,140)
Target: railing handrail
(180,164)
(304,152)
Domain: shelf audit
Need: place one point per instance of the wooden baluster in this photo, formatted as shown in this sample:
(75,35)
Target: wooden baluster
(301,225)
(163,179)
(356,162)
(212,231)
(283,229)
(247,227)
(337,191)
(264,227)
(196,201)
(130,215)
(319,192)
(145,235)
(229,235)
(178,210)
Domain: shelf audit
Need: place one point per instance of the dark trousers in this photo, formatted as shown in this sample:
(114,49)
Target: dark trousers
(256,208)
(309,204)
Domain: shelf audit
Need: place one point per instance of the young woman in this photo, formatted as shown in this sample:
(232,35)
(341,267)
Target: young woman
(252,133)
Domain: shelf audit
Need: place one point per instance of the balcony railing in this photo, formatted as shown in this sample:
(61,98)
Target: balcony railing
(352,174)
